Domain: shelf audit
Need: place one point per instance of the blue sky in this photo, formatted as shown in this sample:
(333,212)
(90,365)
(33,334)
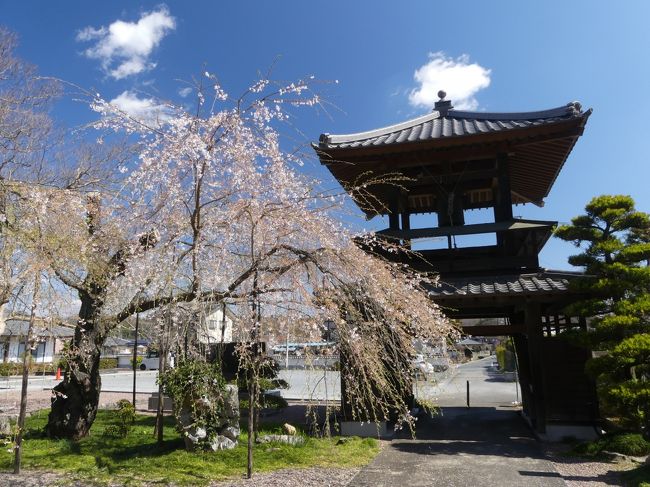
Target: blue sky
(508,55)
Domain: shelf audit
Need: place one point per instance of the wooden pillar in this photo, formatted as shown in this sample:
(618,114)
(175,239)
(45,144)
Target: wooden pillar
(501,191)
(535,334)
(523,368)
(393,220)
(406,225)
(393,207)
(502,199)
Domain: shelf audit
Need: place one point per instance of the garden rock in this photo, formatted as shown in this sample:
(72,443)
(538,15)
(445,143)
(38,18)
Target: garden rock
(222,443)
(231,432)
(5,427)
(289,429)
(223,431)
(287,439)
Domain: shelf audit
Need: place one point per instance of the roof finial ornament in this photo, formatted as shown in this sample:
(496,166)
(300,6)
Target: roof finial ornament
(442,106)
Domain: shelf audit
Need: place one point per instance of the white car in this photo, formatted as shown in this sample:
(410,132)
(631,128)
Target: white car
(150,362)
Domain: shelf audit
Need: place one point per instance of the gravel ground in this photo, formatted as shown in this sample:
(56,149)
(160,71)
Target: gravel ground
(308,477)
(321,477)
(578,472)
(30,479)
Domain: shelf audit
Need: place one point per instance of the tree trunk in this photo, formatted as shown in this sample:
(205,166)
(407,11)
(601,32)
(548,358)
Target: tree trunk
(251,416)
(76,399)
(161,398)
(23,391)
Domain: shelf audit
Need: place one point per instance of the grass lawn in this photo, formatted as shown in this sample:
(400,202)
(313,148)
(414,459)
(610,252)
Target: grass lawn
(137,458)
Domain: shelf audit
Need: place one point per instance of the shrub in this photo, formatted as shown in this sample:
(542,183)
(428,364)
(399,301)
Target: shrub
(124,417)
(206,410)
(8,369)
(108,363)
(629,444)
(16,368)
(506,356)
(272,401)
(625,443)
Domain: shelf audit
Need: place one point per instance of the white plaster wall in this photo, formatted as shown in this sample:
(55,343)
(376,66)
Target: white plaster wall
(212,328)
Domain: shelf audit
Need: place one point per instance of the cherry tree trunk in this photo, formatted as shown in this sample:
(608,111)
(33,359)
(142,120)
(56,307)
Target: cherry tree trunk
(76,399)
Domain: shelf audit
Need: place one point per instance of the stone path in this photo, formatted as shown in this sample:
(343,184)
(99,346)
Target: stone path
(483,446)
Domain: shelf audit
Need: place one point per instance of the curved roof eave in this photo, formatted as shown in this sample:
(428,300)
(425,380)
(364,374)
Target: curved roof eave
(496,123)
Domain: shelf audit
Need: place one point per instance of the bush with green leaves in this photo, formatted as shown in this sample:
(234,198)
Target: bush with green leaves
(202,404)
(632,444)
(123,419)
(506,356)
(16,368)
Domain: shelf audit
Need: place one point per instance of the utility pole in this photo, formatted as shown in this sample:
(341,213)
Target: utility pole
(135,353)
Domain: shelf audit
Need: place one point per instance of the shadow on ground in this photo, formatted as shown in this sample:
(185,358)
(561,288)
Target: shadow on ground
(481,446)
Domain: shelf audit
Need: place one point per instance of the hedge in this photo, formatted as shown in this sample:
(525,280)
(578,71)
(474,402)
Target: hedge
(16,368)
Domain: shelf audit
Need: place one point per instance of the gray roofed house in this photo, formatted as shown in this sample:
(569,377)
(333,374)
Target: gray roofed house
(49,338)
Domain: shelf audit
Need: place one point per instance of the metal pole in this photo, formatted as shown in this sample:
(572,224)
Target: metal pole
(286,353)
(467,393)
(135,353)
(517,385)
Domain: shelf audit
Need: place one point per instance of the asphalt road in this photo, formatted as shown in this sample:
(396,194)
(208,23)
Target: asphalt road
(487,386)
(311,384)
(111,382)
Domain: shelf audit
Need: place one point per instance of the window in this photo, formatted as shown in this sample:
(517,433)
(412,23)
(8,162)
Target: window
(38,353)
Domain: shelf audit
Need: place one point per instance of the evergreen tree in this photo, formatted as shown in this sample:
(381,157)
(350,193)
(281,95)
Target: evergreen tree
(615,242)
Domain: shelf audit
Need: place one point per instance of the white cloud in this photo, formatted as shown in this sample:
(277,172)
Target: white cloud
(145,109)
(459,78)
(184,92)
(123,48)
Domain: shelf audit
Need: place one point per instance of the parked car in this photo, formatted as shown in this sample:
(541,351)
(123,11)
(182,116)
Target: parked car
(150,362)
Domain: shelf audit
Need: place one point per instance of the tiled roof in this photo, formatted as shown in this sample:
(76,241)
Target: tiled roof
(542,282)
(444,124)
(19,327)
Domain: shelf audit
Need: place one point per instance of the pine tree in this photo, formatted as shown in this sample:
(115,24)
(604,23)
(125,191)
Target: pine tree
(615,242)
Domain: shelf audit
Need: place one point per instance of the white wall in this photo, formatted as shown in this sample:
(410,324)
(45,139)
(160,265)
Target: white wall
(212,329)
(14,347)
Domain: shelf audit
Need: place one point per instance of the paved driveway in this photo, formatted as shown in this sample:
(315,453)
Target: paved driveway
(480,446)
(485,445)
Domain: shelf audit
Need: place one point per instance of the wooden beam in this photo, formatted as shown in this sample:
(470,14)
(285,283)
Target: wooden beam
(475,229)
(493,330)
